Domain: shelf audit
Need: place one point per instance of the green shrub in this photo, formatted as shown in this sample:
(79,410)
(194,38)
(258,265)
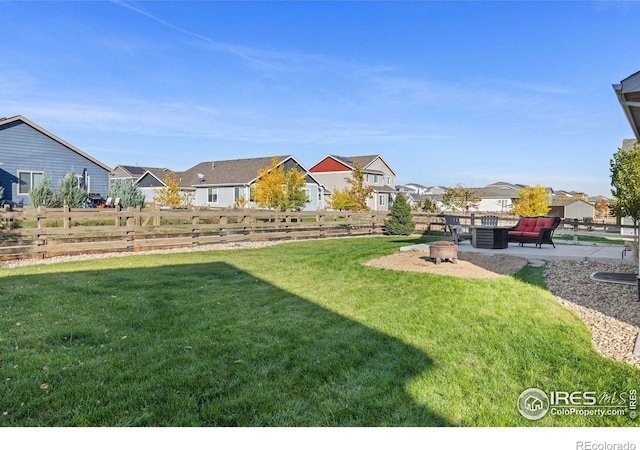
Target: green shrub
(128,192)
(41,194)
(400,222)
(71,192)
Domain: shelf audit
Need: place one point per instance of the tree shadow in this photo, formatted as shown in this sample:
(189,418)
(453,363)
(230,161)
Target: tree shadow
(195,345)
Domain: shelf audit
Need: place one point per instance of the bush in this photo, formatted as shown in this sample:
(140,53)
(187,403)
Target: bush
(400,222)
(128,192)
(42,194)
(71,192)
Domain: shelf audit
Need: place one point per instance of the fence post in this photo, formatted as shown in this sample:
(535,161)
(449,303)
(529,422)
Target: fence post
(195,230)
(66,220)
(117,223)
(41,218)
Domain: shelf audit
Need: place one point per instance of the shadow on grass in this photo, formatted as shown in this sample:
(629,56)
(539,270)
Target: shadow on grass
(194,345)
(531,275)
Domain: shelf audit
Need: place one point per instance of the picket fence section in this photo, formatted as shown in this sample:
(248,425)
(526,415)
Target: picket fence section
(42,232)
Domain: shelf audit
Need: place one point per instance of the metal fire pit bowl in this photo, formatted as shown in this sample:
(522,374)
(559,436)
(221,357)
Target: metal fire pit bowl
(442,250)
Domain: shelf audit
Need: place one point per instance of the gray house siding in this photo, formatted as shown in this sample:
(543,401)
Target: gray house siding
(226,197)
(24,149)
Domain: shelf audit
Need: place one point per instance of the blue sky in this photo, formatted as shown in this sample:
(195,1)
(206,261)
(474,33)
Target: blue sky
(447,92)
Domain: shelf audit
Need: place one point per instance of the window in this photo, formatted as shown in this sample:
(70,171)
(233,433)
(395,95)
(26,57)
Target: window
(238,193)
(27,181)
(307,193)
(376,179)
(389,181)
(381,201)
(212,195)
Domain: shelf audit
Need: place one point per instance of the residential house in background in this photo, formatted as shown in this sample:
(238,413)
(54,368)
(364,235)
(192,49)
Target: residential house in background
(498,197)
(30,152)
(149,179)
(228,183)
(413,188)
(333,171)
(417,194)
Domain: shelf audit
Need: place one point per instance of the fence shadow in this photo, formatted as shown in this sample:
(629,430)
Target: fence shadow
(196,345)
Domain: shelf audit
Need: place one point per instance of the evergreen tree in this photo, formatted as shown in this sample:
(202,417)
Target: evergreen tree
(71,192)
(41,194)
(400,222)
(128,192)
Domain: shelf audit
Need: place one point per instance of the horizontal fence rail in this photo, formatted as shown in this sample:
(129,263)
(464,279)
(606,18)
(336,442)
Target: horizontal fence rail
(46,232)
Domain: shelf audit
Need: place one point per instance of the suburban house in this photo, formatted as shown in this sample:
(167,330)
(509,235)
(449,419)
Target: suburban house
(149,179)
(30,152)
(333,171)
(571,208)
(228,183)
(498,197)
(413,188)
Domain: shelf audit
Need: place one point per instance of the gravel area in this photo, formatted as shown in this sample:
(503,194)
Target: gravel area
(199,248)
(610,310)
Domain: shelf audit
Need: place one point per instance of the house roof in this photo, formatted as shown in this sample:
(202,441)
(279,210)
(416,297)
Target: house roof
(567,201)
(363,161)
(232,172)
(5,121)
(498,191)
(628,93)
(137,171)
(156,172)
(627,144)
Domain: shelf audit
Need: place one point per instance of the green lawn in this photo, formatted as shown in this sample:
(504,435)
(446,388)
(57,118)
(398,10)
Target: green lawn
(300,334)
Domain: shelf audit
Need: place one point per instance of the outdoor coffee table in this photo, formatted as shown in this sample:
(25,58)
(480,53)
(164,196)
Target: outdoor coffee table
(489,237)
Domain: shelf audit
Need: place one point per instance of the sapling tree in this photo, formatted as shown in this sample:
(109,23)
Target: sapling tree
(71,191)
(400,222)
(42,194)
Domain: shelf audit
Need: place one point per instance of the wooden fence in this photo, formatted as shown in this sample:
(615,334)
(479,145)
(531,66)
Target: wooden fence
(42,233)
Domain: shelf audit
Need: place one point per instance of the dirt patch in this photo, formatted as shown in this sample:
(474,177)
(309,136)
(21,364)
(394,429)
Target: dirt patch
(470,265)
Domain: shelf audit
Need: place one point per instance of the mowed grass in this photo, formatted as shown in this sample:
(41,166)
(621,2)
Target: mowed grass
(299,334)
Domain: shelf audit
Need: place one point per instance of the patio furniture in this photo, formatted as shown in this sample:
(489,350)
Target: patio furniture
(491,237)
(534,230)
(453,224)
(489,221)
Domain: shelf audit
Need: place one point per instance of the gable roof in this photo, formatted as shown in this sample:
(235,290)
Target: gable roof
(158,174)
(350,162)
(5,121)
(568,201)
(232,172)
(138,172)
